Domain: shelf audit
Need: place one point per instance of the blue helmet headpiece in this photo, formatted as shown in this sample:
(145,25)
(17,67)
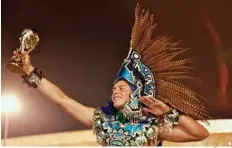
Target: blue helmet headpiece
(137,74)
(140,79)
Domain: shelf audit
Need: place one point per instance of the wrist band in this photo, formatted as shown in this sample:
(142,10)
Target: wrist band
(173,115)
(33,79)
(169,119)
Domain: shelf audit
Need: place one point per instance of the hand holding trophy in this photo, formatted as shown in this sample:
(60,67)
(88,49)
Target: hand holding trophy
(28,41)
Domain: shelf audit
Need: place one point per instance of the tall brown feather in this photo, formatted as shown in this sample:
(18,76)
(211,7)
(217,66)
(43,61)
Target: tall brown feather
(159,55)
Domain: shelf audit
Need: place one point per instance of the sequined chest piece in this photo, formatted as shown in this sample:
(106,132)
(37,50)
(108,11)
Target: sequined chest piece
(111,131)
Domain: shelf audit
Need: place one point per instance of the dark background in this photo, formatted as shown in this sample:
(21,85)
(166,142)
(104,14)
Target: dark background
(83,44)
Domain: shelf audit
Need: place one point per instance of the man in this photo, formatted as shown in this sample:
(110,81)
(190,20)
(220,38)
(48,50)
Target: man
(148,104)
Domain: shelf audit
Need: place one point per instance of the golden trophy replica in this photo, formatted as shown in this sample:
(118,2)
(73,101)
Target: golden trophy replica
(28,40)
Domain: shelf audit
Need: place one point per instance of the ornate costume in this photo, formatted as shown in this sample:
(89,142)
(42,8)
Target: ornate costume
(151,70)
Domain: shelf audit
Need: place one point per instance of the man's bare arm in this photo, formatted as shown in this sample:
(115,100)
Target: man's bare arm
(187,130)
(82,113)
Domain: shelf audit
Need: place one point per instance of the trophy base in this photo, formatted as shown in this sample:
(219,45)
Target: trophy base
(15,68)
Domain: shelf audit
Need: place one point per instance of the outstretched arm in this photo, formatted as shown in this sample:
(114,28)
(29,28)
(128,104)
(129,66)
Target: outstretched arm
(82,113)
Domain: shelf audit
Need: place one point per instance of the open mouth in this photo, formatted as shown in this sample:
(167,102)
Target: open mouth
(116,98)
